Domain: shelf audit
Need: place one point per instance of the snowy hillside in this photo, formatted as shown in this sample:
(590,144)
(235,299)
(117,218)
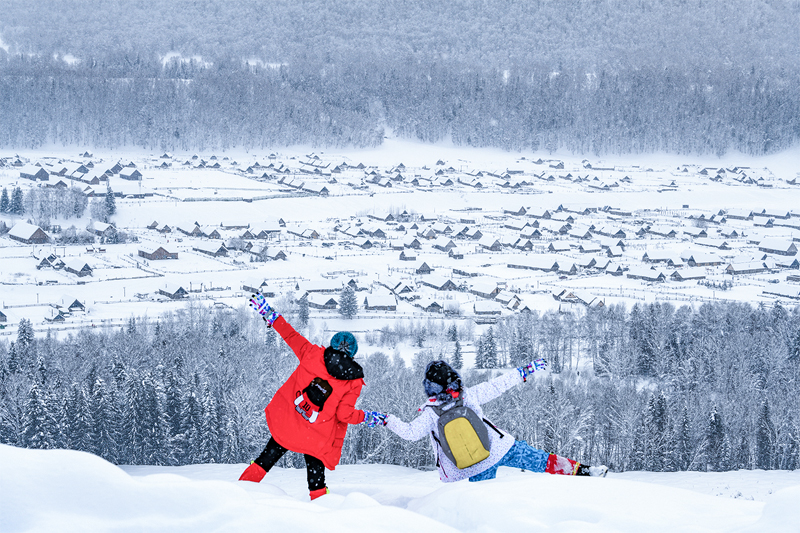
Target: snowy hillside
(68,491)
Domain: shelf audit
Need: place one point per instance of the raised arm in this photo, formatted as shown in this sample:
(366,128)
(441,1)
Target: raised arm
(415,430)
(299,344)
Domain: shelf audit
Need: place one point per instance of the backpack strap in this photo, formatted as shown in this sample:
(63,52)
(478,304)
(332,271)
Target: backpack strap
(493,427)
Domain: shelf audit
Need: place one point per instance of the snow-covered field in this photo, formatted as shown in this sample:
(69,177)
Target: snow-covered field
(67,491)
(72,491)
(656,190)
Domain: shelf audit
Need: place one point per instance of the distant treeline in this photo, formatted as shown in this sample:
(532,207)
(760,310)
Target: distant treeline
(683,76)
(659,388)
(189,107)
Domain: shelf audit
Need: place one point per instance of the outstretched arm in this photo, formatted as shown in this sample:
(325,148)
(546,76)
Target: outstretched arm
(489,390)
(415,430)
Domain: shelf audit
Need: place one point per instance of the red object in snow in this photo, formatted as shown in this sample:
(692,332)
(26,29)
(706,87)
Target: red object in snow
(561,465)
(317,493)
(253,473)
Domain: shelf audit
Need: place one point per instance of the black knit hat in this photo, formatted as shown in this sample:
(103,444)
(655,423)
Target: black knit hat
(439,376)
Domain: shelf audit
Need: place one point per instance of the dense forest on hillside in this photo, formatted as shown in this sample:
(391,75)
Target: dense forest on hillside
(655,388)
(686,76)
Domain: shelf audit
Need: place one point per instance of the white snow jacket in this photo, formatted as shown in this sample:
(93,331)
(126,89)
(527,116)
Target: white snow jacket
(474,397)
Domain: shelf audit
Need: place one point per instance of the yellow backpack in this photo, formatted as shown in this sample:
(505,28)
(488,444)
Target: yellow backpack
(463,436)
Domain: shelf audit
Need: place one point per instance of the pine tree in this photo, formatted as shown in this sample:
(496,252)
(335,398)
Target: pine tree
(80,425)
(111,204)
(5,202)
(682,456)
(489,349)
(192,424)
(765,438)
(452,333)
(102,424)
(37,429)
(17,206)
(480,356)
(458,359)
(173,417)
(302,311)
(348,305)
(715,435)
(209,429)
(25,348)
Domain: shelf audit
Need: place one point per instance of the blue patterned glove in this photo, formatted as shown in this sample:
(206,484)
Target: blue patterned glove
(530,368)
(259,303)
(374,418)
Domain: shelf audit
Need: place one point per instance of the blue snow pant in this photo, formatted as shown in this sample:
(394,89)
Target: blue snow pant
(521,455)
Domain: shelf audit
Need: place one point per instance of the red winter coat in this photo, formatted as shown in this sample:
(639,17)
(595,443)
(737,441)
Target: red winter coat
(293,417)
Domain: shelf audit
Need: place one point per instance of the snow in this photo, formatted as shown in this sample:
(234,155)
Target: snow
(123,285)
(65,491)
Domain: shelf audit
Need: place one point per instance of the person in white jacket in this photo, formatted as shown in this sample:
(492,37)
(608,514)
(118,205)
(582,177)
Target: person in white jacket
(443,387)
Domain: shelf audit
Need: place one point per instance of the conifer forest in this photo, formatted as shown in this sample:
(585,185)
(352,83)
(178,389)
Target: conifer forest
(679,76)
(661,388)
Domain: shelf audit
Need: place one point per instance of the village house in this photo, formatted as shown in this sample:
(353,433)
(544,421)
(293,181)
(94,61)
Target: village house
(28,234)
(323,286)
(749,267)
(130,174)
(444,244)
(321,301)
(412,242)
(778,246)
(695,259)
(156,253)
(212,249)
(71,304)
(530,233)
(590,248)
(261,285)
(688,274)
(663,231)
(663,256)
(740,214)
(440,283)
(474,233)
(645,274)
(558,246)
(35,173)
(268,253)
(487,242)
(79,267)
(363,242)
(423,269)
(173,291)
(508,299)
(410,256)
(455,253)
(485,289)
(487,308)
(380,302)
(534,262)
(102,229)
(783,290)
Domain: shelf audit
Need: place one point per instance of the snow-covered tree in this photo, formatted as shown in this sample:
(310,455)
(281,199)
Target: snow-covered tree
(348,304)
(458,359)
(5,201)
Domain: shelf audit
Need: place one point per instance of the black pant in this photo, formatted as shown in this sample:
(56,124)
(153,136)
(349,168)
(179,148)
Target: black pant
(315,470)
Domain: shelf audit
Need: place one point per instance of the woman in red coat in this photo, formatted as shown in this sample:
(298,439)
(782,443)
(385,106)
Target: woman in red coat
(310,412)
